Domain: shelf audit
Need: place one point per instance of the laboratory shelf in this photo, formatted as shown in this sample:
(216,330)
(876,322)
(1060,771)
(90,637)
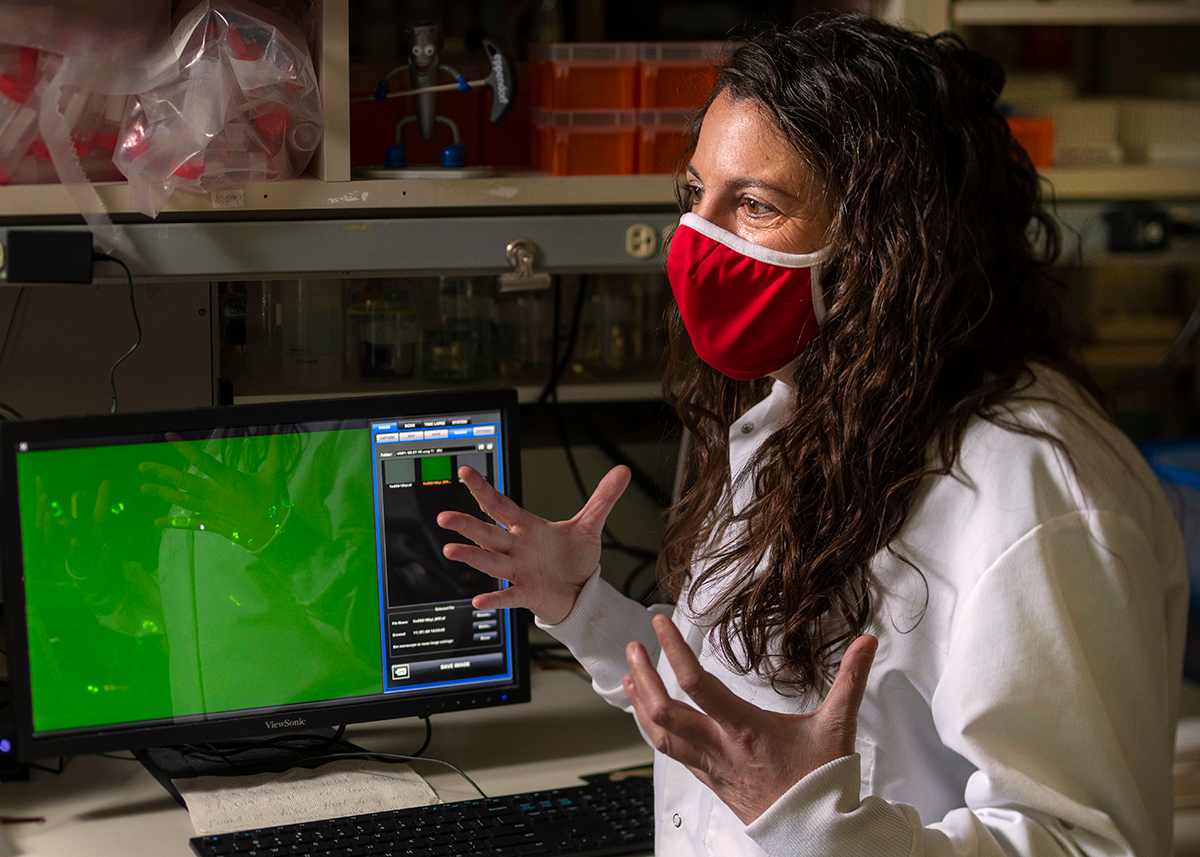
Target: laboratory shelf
(1130,181)
(527,394)
(379,246)
(1074,12)
(508,190)
(512,193)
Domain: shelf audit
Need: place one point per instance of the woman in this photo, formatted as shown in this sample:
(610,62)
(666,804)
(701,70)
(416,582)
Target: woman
(930,599)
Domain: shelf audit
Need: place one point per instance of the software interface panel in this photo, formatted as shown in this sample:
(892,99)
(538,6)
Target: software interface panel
(432,633)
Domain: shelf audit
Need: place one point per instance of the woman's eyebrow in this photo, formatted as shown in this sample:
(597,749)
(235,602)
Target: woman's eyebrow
(748,182)
(743,183)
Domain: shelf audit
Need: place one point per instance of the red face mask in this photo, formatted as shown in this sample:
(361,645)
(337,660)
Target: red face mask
(748,309)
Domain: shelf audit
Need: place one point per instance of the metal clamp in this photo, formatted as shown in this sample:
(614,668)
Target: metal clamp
(522,254)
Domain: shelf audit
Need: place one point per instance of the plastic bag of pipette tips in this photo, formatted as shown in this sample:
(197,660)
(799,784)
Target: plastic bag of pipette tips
(59,89)
(24,72)
(26,75)
(66,70)
(243,107)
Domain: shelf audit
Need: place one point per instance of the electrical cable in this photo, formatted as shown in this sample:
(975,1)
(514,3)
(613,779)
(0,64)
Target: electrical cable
(360,753)
(643,481)
(613,541)
(560,365)
(632,577)
(112,381)
(301,743)
(609,539)
(12,321)
(307,749)
(553,651)
(6,411)
(428,736)
(400,757)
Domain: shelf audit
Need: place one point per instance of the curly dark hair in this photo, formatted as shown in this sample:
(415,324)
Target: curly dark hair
(939,297)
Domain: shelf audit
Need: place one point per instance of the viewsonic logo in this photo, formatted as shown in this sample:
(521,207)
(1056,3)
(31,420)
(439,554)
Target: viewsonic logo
(285,724)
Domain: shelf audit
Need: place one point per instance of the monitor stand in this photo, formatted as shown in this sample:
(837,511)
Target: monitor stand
(233,759)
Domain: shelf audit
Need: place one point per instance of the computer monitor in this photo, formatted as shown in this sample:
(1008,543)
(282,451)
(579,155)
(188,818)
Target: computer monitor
(248,571)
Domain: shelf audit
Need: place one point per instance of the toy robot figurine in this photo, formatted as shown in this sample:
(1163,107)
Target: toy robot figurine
(424,41)
(424,44)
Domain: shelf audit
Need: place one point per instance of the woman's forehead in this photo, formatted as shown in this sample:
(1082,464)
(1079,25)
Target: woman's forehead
(739,140)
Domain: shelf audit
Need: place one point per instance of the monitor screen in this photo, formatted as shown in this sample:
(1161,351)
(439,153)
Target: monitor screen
(244,571)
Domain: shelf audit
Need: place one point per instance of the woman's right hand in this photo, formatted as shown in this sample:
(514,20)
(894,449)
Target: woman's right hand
(545,562)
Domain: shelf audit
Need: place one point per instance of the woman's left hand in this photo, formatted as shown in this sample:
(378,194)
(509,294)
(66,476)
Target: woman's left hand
(748,756)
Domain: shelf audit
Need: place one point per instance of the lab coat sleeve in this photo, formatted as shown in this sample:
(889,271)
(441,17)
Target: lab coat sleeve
(596,631)
(1060,687)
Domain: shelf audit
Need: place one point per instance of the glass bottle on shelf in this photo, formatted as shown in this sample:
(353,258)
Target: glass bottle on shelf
(524,335)
(611,327)
(380,334)
(400,299)
(549,21)
(456,341)
(233,327)
(655,297)
(264,331)
(311,336)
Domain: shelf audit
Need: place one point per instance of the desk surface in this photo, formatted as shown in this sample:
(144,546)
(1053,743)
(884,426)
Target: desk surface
(103,806)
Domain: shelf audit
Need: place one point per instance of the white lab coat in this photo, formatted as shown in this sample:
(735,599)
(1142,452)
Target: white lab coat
(1026,706)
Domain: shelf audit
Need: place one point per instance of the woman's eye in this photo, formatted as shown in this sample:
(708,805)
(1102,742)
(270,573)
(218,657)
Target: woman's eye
(694,194)
(754,207)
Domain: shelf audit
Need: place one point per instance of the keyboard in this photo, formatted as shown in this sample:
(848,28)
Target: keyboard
(598,819)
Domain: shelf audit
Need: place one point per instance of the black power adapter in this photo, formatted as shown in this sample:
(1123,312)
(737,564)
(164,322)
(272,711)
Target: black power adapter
(49,256)
(61,256)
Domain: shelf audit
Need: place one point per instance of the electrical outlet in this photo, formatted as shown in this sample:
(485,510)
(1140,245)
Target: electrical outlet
(1137,228)
(641,241)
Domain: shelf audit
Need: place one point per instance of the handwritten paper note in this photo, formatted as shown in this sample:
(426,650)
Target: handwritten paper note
(223,804)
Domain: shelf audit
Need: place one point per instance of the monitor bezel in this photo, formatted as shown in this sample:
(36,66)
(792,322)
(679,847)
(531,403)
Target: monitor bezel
(29,746)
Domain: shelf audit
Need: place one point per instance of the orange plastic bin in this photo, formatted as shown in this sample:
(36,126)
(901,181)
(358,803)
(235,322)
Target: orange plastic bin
(662,137)
(1036,136)
(584,142)
(677,74)
(583,75)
